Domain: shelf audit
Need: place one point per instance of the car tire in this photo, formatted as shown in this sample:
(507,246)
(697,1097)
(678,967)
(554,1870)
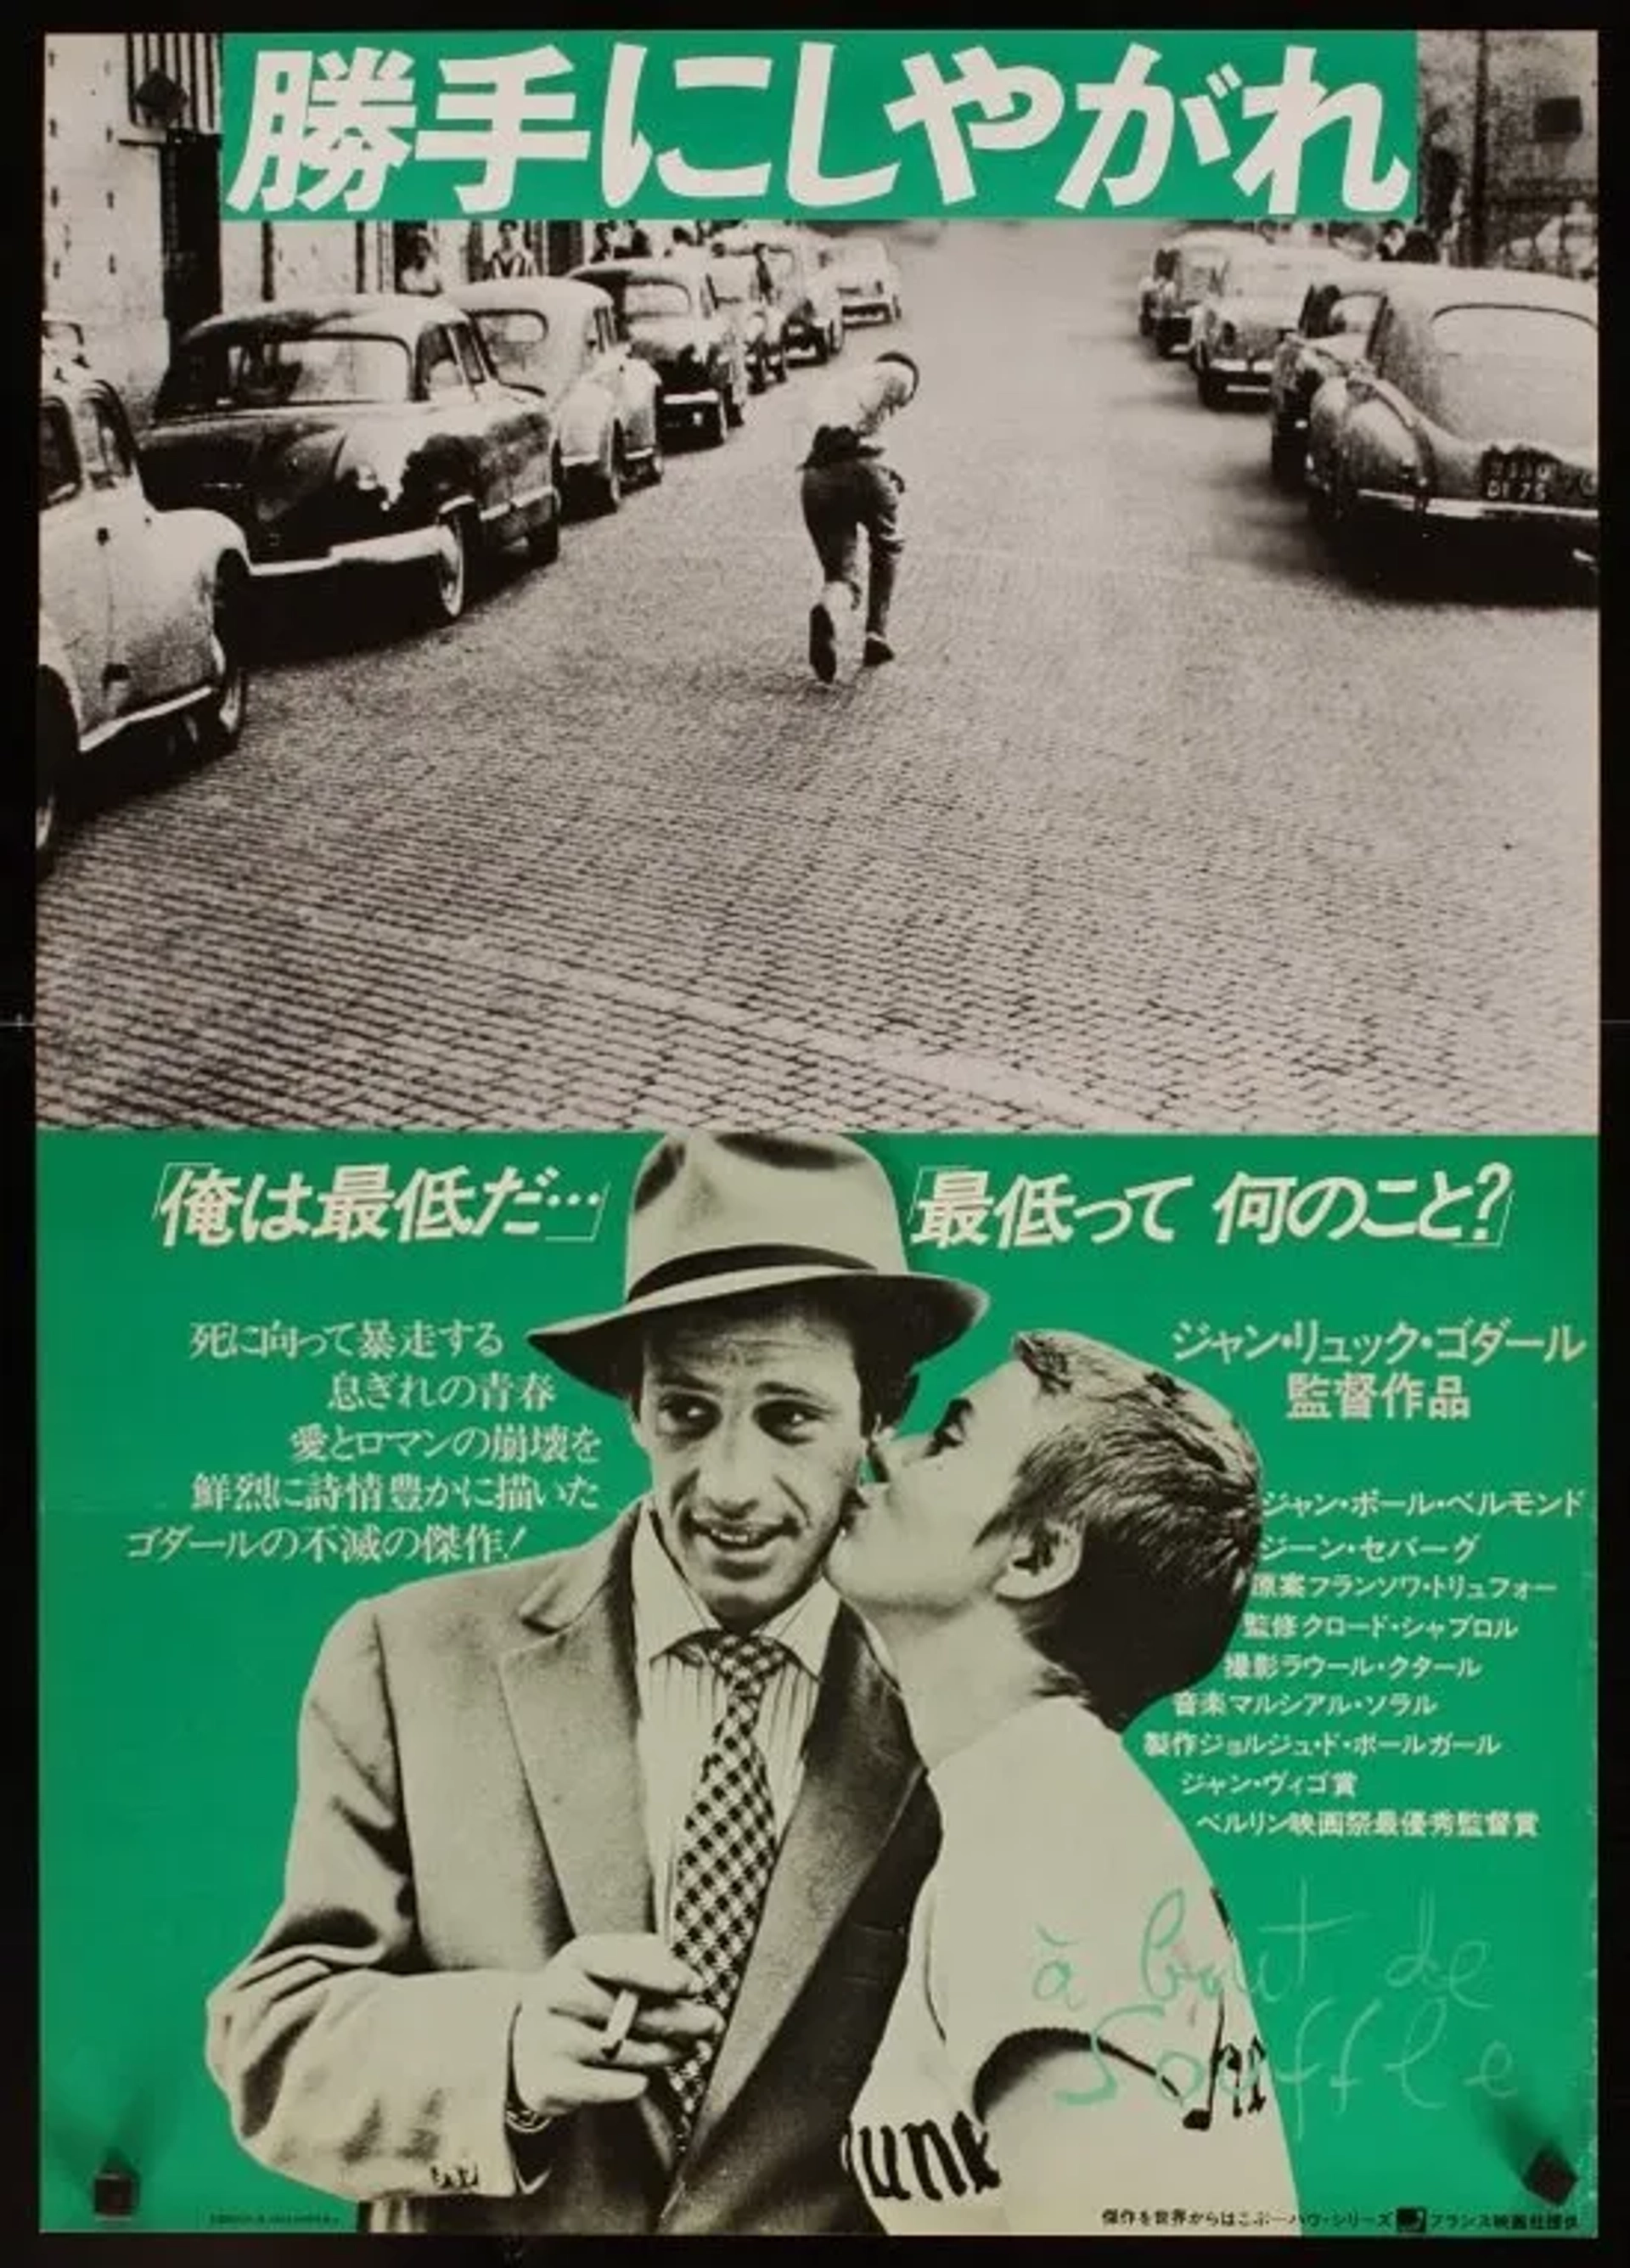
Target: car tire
(1146,322)
(1212,390)
(55,741)
(1361,545)
(608,485)
(1287,454)
(735,408)
(1318,506)
(543,544)
(447,578)
(714,424)
(218,723)
(1165,340)
(655,464)
(758,374)
(820,347)
(782,372)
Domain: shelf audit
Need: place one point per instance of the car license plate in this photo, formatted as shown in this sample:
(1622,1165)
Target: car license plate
(1520,477)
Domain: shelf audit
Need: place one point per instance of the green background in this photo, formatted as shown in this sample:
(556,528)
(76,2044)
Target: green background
(738,127)
(169,1692)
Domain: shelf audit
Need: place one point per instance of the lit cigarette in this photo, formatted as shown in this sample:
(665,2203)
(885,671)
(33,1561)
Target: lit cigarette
(619,2025)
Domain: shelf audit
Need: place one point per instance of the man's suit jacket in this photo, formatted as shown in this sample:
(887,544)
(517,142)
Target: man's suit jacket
(469,1799)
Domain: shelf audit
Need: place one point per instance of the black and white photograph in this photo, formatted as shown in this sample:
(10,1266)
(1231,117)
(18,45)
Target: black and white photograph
(610,672)
(812,1732)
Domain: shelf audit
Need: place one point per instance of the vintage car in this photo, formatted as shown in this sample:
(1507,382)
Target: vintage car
(1149,283)
(1192,261)
(363,434)
(806,288)
(1254,297)
(142,613)
(744,289)
(867,278)
(548,335)
(1473,405)
(1331,329)
(669,315)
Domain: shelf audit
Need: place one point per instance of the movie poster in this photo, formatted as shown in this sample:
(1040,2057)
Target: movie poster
(817,1174)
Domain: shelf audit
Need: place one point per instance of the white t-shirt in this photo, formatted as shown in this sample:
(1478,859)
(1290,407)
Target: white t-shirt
(860,402)
(1068,1897)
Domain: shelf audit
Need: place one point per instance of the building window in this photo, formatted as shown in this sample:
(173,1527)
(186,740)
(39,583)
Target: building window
(1559,118)
(182,72)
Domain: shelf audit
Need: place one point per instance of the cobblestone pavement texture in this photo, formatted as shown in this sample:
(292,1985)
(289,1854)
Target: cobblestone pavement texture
(1156,822)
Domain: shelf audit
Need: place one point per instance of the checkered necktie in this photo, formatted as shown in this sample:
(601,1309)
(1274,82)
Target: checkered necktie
(727,1847)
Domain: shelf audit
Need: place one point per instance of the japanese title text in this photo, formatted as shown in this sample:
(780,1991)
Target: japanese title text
(883,123)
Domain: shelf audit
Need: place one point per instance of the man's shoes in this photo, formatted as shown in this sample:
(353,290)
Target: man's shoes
(877,651)
(823,645)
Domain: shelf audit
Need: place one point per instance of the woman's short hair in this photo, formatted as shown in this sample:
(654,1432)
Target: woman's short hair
(1164,1488)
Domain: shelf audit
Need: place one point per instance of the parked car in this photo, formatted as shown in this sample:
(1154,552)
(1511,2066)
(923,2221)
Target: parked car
(668,313)
(142,612)
(1159,269)
(1254,297)
(549,335)
(868,280)
(806,289)
(745,291)
(1330,332)
(1194,259)
(368,434)
(1473,405)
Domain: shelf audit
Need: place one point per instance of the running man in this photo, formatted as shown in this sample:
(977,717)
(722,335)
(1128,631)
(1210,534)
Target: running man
(849,485)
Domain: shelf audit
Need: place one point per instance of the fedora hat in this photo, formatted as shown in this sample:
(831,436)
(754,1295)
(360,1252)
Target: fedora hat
(716,1216)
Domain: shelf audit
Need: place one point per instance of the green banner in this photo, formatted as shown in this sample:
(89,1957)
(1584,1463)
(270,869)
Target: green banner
(280,1373)
(869,124)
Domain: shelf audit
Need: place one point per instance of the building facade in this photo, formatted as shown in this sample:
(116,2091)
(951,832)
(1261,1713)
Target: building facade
(1509,143)
(134,248)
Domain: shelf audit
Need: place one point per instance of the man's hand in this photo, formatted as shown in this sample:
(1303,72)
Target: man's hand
(554,2052)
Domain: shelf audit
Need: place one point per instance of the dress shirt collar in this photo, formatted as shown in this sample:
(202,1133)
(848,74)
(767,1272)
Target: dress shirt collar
(666,1609)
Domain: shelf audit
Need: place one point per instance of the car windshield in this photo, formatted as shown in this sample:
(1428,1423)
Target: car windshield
(644,296)
(1265,278)
(1352,313)
(732,278)
(524,348)
(1506,369)
(862,252)
(260,370)
(1195,271)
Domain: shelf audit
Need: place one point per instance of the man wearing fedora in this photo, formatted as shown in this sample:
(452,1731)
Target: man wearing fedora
(661,1773)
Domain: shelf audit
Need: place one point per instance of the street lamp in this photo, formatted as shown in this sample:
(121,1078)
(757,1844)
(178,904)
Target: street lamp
(1477,194)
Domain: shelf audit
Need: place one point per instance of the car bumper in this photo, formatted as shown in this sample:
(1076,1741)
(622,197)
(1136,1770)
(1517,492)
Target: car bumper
(1242,370)
(868,303)
(801,332)
(1579,525)
(406,546)
(683,400)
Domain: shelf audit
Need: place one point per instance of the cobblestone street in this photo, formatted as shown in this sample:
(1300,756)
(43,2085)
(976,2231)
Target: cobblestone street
(1156,821)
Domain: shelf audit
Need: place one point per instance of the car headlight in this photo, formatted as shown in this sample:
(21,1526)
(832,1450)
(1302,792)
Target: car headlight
(1588,485)
(380,485)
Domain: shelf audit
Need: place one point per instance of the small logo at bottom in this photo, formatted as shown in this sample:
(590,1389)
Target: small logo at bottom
(1410,2220)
